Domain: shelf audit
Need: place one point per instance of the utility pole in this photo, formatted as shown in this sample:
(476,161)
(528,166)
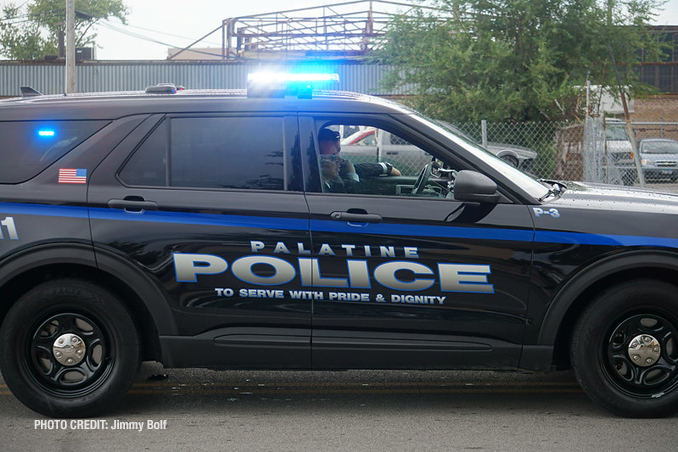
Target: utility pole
(70,46)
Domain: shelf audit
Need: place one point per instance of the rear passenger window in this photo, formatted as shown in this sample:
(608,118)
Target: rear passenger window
(29,147)
(148,165)
(242,153)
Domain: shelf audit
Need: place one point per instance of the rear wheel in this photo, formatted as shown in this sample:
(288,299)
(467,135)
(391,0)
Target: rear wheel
(69,348)
(625,349)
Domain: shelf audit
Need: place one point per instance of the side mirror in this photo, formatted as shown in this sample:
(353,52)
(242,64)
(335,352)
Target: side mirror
(475,187)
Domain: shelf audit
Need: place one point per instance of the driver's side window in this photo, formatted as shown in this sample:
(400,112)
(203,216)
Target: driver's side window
(365,159)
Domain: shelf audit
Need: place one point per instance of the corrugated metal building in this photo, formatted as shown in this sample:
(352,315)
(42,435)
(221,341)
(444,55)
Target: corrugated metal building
(95,76)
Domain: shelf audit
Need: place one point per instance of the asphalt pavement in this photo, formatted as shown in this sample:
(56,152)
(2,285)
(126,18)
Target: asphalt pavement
(196,409)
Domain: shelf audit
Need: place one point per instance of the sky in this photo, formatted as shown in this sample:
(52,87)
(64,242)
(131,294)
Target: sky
(180,23)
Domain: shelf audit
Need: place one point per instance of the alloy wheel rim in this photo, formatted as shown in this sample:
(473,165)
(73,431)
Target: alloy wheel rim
(641,355)
(69,354)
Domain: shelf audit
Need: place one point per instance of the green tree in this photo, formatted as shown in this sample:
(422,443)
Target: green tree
(31,31)
(515,59)
(19,39)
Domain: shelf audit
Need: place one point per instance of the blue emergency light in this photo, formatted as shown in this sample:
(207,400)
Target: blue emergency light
(281,84)
(46,133)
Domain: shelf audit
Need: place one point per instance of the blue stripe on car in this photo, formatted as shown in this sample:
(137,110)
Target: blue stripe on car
(245,221)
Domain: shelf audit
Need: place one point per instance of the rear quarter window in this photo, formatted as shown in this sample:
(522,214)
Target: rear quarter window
(28,147)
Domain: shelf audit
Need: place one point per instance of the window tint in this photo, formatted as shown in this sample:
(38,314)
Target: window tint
(27,148)
(243,153)
(148,165)
(227,153)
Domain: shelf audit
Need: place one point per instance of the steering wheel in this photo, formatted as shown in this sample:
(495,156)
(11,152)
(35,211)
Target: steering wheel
(423,177)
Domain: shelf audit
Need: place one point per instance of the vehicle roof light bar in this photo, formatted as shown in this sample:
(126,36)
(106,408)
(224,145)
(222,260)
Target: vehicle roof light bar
(281,84)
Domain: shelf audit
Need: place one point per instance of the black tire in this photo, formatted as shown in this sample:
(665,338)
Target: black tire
(625,376)
(104,349)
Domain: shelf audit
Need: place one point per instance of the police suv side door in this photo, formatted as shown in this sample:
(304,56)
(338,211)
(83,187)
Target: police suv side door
(197,204)
(415,281)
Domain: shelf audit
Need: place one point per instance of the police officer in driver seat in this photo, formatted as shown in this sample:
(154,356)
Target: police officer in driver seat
(340,175)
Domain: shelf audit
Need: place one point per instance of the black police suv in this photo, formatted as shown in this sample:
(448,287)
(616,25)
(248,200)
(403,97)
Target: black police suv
(215,229)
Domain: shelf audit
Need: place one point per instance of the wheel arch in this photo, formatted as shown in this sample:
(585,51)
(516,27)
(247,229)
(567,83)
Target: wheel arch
(145,301)
(560,319)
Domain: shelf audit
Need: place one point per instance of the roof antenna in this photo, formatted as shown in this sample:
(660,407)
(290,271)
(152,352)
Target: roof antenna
(27,91)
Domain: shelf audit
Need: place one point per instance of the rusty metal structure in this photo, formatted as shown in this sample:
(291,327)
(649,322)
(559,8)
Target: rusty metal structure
(338,30)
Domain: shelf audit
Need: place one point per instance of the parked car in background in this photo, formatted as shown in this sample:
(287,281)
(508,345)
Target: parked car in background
(619,150)
(370,144)
(659,158)
(516,156)
(373,144)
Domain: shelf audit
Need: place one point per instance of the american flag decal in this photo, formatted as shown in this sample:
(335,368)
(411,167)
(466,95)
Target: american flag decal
(72,176)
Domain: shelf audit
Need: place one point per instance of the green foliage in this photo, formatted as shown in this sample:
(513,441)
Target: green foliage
(518,60)
(31,31)
(20,40)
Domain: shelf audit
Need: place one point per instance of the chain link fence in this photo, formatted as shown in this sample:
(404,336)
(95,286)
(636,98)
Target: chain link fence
(598,150)
(532,143)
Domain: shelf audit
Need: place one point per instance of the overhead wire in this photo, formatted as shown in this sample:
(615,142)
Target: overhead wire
(14,20)
(124,29)
(163,33)
(108,25)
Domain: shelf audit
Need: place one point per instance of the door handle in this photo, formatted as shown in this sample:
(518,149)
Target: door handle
(353,217)
(134,204)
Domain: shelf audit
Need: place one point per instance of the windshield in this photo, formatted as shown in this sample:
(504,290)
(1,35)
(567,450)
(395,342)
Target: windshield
(659,147)
(535,188)
(616,132)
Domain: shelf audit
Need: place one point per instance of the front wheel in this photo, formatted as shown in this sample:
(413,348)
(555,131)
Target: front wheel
(625,349)
(69,348)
